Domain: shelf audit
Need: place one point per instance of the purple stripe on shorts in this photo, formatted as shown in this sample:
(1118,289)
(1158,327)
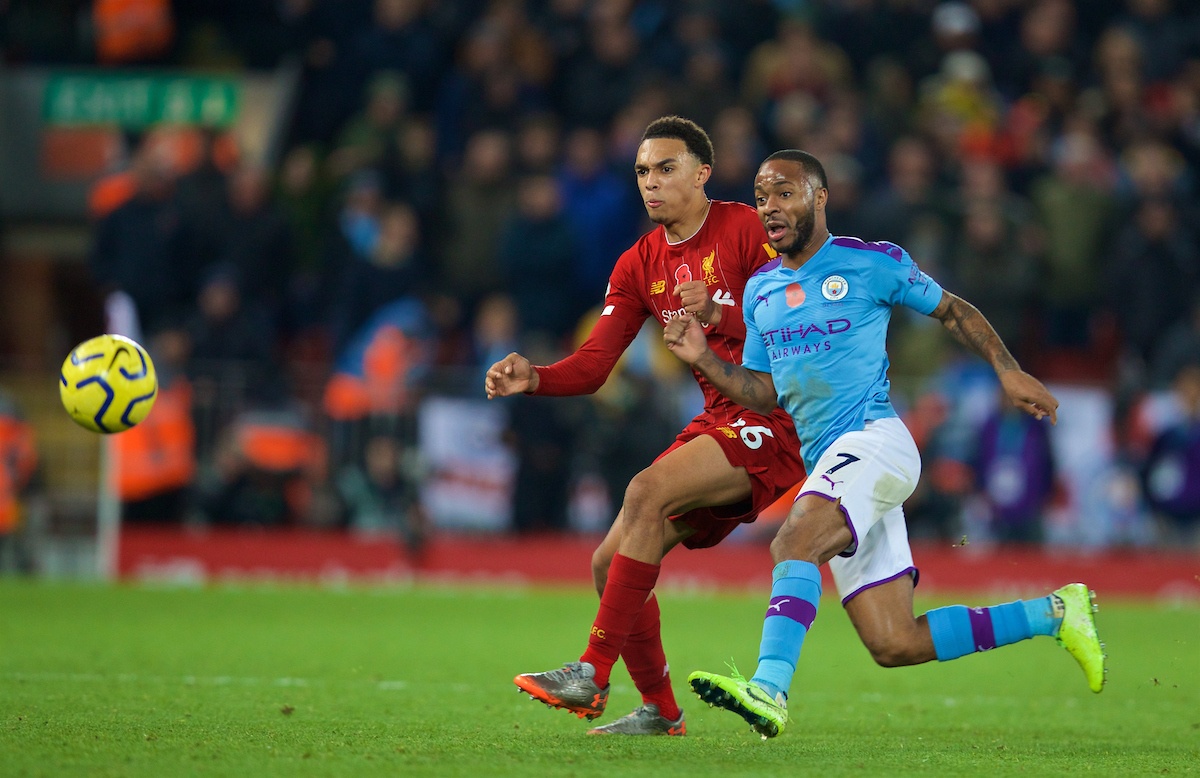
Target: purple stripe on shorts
(916,575)
(793,608)
(981,628)
(853,547)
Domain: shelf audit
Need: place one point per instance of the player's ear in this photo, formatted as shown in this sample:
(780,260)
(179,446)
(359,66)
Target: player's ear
(821,198)
(703,173)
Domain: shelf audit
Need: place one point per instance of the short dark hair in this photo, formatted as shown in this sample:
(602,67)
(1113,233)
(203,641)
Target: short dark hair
(812,166)
(686,130)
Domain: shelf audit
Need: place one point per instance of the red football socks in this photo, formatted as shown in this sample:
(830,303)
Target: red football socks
(647,663)
(629,584)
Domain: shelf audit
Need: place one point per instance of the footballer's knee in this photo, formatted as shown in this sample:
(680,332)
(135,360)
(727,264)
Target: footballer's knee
(897,649)
(644,499)
(601,560)
(789,543)
(814,531)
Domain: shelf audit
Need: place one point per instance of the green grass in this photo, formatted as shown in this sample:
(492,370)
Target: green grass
(261,681)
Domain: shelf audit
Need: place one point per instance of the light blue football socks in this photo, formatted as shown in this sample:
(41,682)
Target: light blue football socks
(958,630)
(795,593)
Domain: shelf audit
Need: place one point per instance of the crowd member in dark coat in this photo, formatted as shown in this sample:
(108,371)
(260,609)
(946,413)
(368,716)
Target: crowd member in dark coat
(388,273)
(1155,270)
(350,240)
(231,363)
(478,200)
(202,193)
(538,256)
(259,241)
(598,203)
(139,248)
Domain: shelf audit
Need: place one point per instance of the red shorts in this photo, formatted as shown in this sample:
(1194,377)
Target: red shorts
(767,447)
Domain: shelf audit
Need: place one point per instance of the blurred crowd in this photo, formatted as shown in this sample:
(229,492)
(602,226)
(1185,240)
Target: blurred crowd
(456,183)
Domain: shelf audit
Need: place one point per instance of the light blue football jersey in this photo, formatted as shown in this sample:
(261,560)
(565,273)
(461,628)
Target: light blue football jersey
(821,333)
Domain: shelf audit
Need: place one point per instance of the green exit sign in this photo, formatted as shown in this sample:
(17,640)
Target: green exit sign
(135,101)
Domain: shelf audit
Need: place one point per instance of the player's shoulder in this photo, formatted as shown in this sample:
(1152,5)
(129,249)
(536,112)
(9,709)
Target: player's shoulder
(880,250)
(768,268)
(765,274)
(727,211)
(631,266)
(648,245)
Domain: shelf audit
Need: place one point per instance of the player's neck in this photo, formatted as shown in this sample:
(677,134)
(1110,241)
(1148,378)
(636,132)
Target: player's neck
(796,261)
(689,225)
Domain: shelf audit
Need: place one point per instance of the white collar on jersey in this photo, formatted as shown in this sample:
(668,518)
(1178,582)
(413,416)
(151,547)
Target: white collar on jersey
(707,209)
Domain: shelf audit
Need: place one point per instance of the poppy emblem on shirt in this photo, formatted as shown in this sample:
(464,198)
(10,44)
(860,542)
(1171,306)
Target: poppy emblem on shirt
(658,287)
(683,274)
(794,295)
(834,288)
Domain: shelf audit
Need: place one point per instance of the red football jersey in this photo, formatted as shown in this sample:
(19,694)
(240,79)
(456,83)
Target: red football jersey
(724,253)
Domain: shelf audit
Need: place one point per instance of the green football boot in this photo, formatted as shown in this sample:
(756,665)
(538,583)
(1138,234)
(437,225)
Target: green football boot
(1077,633)
(766,716)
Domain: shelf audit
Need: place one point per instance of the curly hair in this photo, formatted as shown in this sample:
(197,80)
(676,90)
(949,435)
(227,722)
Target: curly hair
(678,128)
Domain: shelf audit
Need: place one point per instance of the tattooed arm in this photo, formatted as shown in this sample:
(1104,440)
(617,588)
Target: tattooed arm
(970,328)
(748,388)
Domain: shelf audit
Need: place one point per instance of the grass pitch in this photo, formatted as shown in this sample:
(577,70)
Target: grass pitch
(286,681)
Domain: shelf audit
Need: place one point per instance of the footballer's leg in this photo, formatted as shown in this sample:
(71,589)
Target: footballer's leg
(674,533)
(882,617)
(813,531)
(692,475)
(643,653)
(573,686)
(841,514)
(1067,614)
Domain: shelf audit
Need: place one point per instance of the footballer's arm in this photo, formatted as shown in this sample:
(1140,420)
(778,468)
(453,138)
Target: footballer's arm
(748,388)
(970,328)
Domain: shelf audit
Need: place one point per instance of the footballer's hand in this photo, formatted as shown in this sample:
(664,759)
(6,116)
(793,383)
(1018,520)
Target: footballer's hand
(511,375)
(693,295)
(685,339)
(1028,394)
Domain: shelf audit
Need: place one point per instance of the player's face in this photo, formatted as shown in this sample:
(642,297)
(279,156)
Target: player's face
(789,205)
(670,179)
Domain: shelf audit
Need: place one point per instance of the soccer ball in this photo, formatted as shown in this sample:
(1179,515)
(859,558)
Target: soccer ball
(108,384)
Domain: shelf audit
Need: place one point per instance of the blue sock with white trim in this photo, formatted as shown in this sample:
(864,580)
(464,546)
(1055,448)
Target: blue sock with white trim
(958,630)
(795,593)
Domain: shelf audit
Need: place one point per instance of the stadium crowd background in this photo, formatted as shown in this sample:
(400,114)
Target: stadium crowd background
(455,183)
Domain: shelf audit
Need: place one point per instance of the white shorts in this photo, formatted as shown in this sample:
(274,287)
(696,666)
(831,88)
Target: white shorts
(872,471)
